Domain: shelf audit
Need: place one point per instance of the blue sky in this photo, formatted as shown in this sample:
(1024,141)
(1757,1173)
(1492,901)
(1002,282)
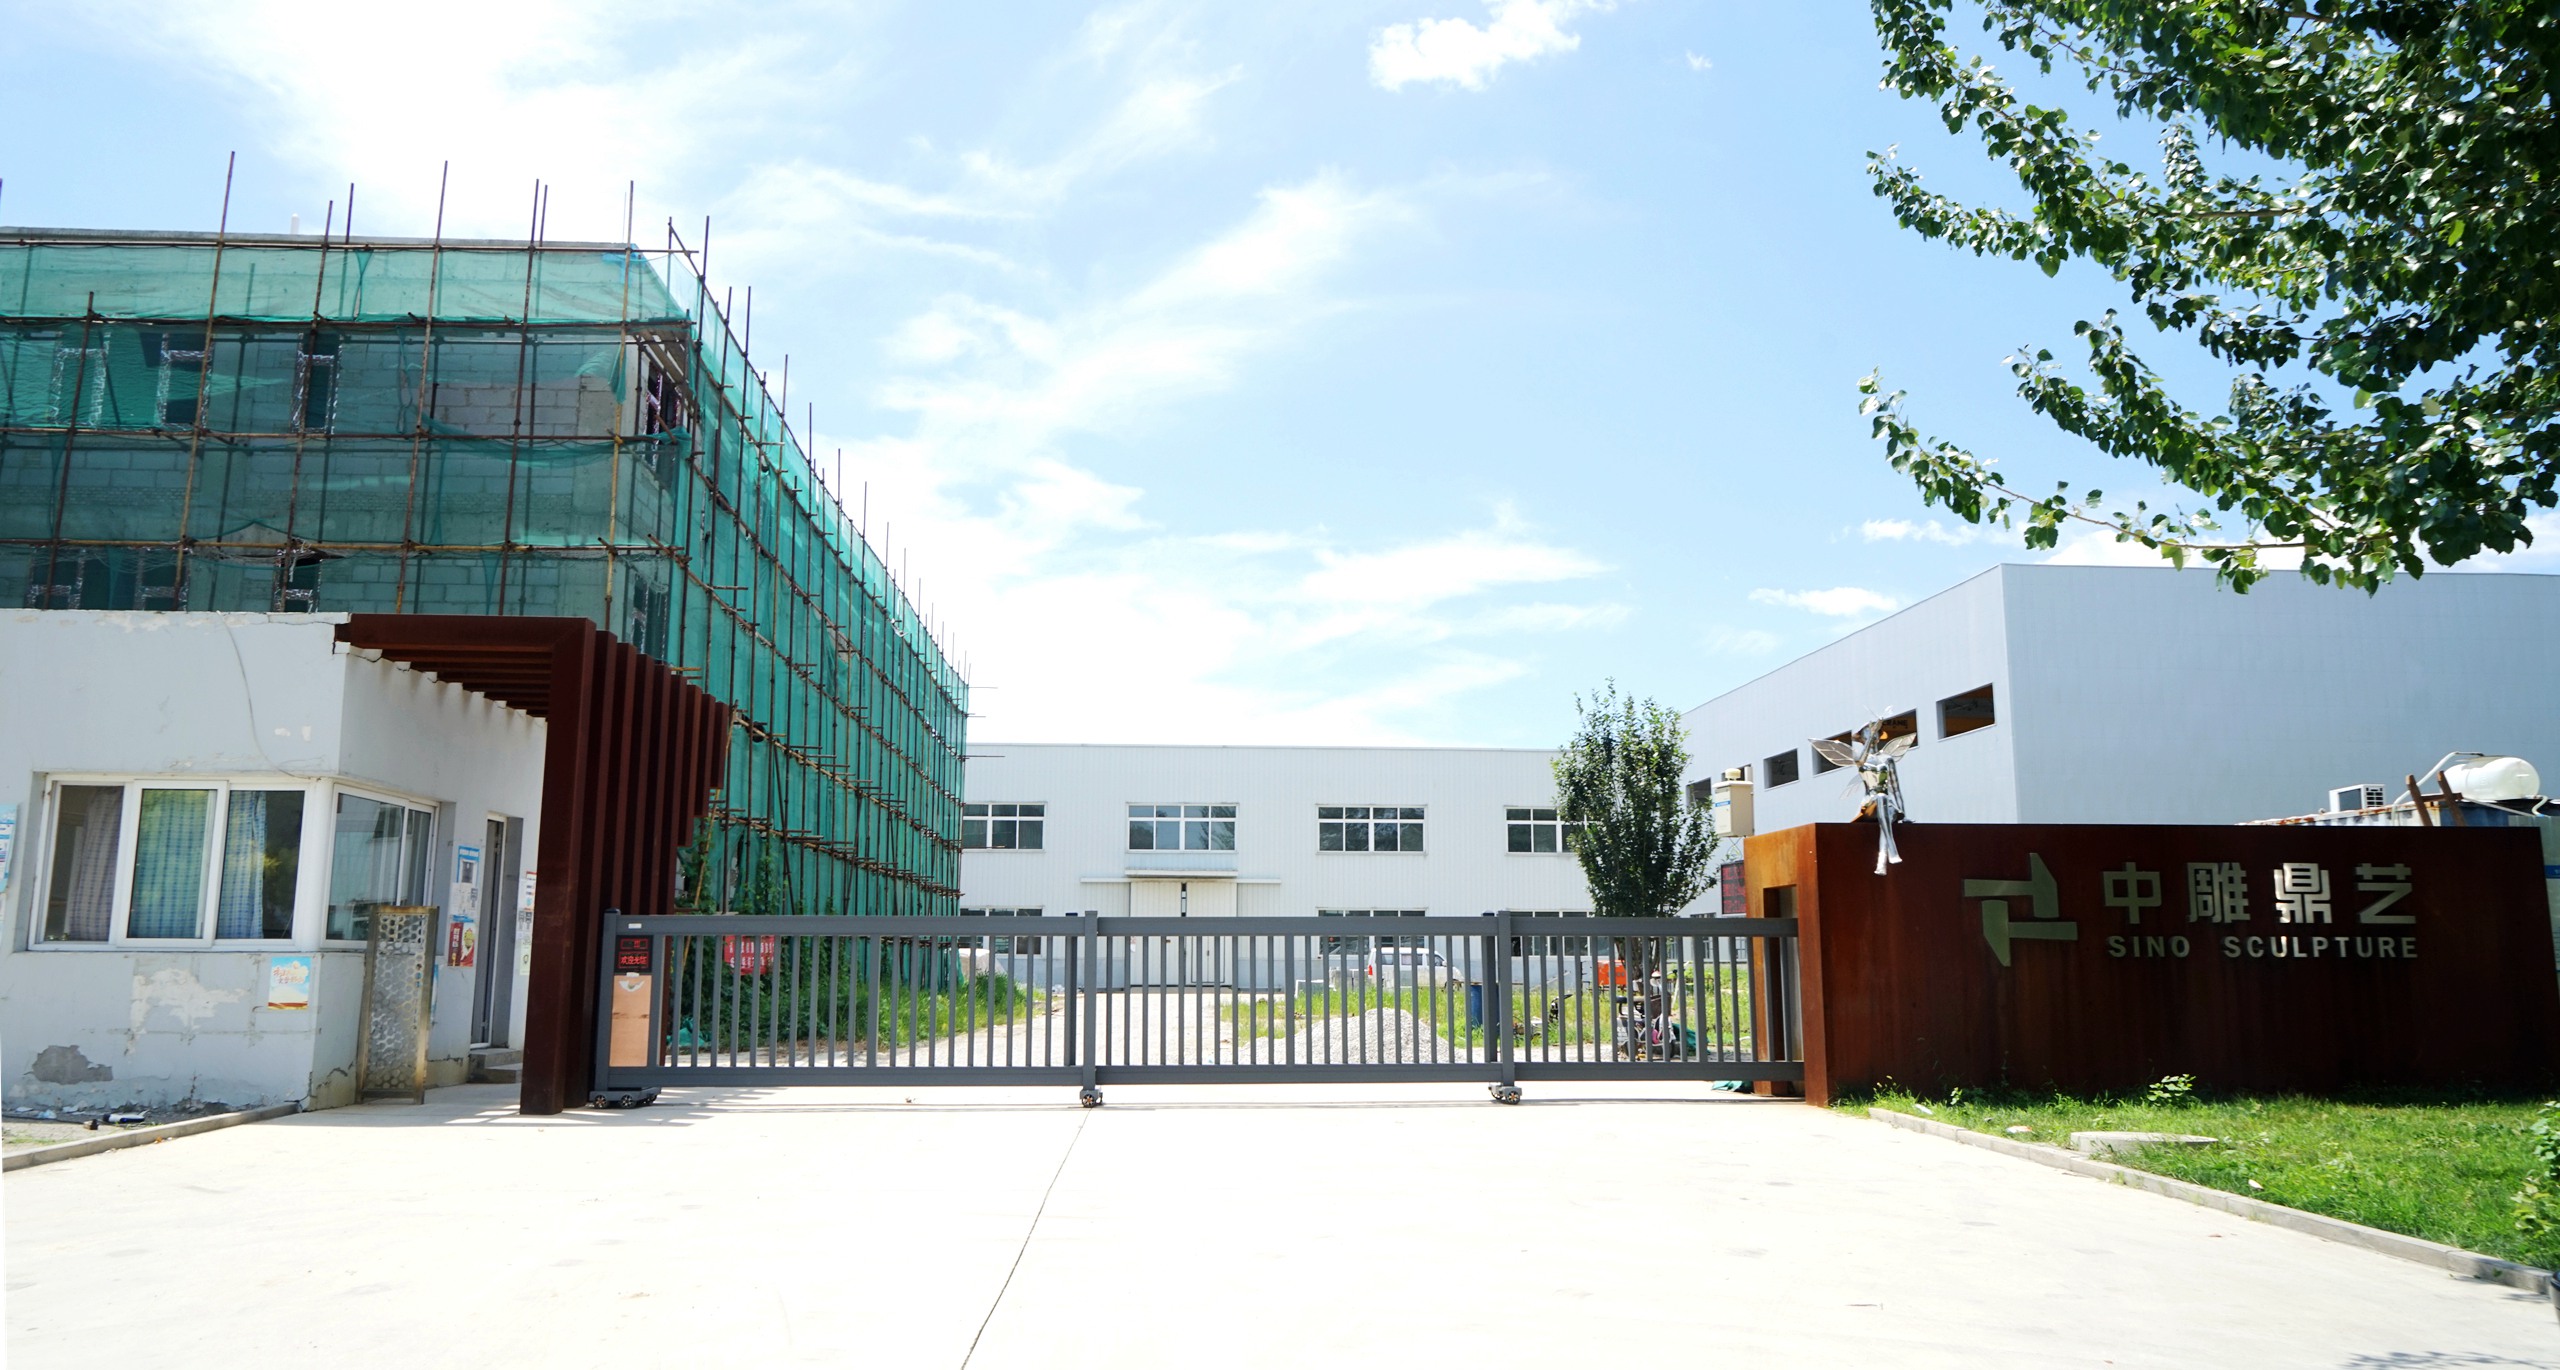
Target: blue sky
(1320,372)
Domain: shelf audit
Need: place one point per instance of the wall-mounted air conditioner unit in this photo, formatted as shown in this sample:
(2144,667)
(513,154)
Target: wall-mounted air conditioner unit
(2349,798)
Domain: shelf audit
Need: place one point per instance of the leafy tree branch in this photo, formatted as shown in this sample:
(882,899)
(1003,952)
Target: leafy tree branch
(2400,261)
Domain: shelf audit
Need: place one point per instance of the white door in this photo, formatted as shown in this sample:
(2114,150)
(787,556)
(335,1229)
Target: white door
(1180,960)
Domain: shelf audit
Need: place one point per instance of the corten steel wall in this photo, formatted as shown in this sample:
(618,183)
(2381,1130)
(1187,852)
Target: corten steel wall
(632,758)
(1901,981)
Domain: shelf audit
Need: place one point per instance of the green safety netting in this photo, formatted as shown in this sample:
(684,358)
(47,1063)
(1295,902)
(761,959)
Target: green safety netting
(406,427)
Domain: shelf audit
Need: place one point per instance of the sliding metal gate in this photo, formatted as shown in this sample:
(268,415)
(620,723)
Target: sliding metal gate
(1502,999)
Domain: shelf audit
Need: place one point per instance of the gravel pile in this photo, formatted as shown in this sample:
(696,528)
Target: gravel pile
(1378,1037)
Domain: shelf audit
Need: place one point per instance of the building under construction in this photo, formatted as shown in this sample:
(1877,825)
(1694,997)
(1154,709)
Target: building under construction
(225,424)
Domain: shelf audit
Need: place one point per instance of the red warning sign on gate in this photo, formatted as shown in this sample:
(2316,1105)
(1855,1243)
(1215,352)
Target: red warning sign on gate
(747,955)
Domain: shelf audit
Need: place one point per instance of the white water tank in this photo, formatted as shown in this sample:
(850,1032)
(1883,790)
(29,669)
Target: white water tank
(2494,779)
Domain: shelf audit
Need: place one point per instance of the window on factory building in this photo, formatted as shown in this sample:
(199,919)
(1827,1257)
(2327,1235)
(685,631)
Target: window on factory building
(1368,827)
(1960,714)
(1536,831)
(1182,827)
(1822,763)
(1002,827)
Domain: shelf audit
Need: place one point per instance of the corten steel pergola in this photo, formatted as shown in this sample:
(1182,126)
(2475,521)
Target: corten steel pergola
(632,755)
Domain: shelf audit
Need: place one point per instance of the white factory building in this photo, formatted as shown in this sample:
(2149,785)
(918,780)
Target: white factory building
(1208,832)
(2083,694)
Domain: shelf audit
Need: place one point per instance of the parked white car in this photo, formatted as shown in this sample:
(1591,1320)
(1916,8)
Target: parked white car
(1405,966)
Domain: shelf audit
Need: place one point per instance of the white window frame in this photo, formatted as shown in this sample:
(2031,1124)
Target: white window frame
(986,814)
(319,933)
(313,856)
(1564,830)
(1334,814)
(1231,818)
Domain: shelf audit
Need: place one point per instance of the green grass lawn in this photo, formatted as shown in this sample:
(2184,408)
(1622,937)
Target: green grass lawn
(2444,1167)
(1589,1016)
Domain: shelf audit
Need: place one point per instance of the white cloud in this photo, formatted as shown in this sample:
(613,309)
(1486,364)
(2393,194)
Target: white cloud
(1426,573)
(2543,555)
(1742,641)
(1064,584)
(1698,63)
(1546,618)
(1459,53)
(1160,115)
(1843,601)
(585,94)
(2098,547)
(1110,364)
(1904,530)
(1098,623)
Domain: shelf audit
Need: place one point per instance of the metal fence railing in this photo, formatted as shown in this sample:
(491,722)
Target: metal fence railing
(1088,1001)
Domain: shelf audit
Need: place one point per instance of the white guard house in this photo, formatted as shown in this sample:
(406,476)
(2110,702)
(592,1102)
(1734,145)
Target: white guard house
(1222,832)
(2085,694)
(204,812)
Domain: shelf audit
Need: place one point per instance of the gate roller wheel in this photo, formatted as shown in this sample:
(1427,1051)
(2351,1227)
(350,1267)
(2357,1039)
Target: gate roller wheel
(1089,1097)
(1506,1094)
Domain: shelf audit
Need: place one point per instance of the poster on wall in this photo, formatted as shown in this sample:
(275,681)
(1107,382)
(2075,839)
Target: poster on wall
(524,925)
(462,939)
(8,841)
(289,982)
(462,923)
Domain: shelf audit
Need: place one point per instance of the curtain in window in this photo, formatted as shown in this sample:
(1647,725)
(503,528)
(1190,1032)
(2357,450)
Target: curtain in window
(261,852)
(168,864)
(82,903)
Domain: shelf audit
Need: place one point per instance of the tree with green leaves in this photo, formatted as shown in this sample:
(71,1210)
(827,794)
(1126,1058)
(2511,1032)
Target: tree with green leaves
(2385,303)
(1644,848)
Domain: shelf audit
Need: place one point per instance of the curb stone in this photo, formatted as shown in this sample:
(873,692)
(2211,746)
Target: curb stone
(2451,1259)
(140,1136)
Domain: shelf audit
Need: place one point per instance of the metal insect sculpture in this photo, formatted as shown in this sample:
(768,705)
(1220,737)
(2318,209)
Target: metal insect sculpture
(1876,758)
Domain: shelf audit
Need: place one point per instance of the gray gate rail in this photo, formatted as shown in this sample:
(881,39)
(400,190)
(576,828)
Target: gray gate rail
(1501,998)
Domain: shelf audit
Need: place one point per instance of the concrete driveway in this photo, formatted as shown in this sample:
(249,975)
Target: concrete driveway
(1274,1225)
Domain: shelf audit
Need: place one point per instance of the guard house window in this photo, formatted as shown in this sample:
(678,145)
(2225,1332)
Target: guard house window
(1371,827)
(378,859)
(1002,827)
(1534,830)
(1782,769)
(157,863)
(1960,714)
(1182,827)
